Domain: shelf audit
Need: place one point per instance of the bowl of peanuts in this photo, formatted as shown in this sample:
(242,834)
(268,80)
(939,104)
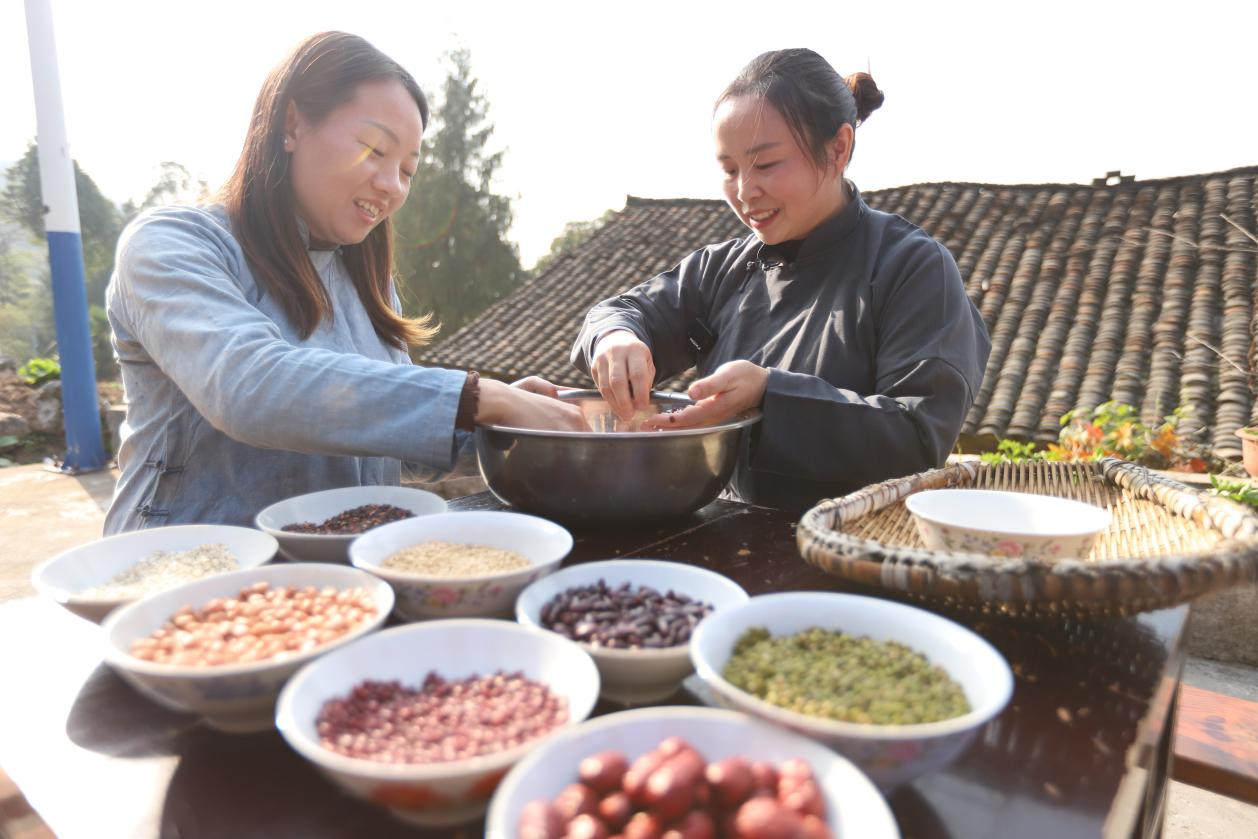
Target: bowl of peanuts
(686,772)
(222,647)
(319,526)
(634,616)
(426,718)
(462,564)
(898,690)
(94,579)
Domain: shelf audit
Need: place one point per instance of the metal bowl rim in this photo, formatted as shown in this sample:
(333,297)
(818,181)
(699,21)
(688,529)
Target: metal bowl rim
(749,417)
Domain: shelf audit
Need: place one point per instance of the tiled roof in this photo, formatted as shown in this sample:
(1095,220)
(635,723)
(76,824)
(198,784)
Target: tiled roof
(1144,292)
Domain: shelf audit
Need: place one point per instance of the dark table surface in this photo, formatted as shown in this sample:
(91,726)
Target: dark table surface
(1080,751)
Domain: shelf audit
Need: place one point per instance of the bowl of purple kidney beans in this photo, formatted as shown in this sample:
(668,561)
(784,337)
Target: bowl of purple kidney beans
(634,616)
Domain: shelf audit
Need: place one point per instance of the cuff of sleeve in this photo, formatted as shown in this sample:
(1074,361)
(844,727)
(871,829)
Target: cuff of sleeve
(469,402)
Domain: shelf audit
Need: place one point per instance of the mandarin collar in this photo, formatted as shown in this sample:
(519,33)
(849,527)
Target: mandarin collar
(829,233)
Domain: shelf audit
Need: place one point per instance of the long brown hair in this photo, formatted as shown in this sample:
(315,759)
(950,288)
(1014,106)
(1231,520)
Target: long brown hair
(810,95)
(320,75)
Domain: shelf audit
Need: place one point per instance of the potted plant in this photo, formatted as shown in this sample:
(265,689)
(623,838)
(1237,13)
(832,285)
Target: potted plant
(1249,449)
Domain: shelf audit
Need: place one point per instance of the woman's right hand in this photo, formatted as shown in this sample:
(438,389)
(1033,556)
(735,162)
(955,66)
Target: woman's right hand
(623,372)
(501,404)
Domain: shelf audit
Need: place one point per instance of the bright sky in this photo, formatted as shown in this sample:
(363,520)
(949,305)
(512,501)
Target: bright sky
(596,101)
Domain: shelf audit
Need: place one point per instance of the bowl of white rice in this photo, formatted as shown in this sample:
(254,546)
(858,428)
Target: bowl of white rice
(95,578)
(461,564)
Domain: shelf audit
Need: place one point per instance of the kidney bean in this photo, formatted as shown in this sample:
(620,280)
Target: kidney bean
(586,826)
(694,825)
(815,828)
(764,779)
(576,800)
(670,789)
(604,771)
(731,781)
(355,520)
(802,795)
(764,818)
(540,820)
(634,783)
(643,826)
(615,810)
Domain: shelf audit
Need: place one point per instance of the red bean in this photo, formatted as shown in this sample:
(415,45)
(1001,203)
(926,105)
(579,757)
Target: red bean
(586,827)
(615,810)
(670,789)
(540,820)
(696,825)
(731,781)
(576,800)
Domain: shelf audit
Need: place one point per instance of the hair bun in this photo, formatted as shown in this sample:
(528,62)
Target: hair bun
(868,97)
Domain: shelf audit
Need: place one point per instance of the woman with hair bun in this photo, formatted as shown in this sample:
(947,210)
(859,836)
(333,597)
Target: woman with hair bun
(848,327)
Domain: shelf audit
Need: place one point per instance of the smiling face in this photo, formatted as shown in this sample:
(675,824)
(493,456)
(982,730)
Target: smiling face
(773,185)
(353,169)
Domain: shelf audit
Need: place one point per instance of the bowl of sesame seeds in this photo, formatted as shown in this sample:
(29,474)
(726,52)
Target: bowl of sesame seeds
(462,564)
(93,579)
(319,526)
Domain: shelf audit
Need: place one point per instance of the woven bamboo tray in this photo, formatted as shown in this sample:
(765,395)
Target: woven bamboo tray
(1166,543)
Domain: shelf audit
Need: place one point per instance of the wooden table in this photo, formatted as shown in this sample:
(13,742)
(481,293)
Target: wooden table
(1082,749)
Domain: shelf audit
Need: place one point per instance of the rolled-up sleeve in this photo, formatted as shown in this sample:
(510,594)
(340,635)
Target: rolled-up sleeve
(175,286)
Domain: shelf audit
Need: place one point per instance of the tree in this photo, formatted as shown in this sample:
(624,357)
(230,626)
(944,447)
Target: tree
(574,233)
(175,185)
(99,219)
(453,258)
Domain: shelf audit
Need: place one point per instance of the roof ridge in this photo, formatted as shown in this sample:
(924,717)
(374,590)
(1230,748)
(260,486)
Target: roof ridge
(637,201)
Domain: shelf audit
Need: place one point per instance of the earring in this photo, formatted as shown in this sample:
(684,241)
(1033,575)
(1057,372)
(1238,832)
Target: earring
(288,144)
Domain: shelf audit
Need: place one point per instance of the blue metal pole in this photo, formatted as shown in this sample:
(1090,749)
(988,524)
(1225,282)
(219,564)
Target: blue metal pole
(85,451)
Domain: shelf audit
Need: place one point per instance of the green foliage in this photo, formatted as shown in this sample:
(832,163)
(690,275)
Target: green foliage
(99,219)
(1242,491)
(1115,429)
(1011,451)
(102,346)
(574,234)
(175,185)
(451,250)
(39,370)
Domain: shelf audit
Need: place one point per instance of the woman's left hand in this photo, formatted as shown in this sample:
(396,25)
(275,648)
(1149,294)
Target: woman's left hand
(734,387)
(536,384)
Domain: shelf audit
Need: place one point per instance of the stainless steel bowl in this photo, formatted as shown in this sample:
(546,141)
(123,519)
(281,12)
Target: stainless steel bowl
(612,474)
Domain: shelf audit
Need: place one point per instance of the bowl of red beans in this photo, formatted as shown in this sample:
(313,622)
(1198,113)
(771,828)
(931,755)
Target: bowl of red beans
(425,719)
(319,526)
(223,646)
(634,616)
(686,772)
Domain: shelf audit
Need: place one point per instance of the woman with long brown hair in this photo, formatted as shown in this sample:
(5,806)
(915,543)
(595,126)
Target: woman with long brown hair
(261,345)
(848,327)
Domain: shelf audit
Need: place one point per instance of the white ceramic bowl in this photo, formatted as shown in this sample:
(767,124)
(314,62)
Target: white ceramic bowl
(1017,525)
(235,697)
(853,806)
(543,543)
(318,507)
(890,754)
(432,794)
(64,577)
(635,676)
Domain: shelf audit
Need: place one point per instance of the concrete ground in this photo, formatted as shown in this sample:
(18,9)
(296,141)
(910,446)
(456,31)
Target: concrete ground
(43,513)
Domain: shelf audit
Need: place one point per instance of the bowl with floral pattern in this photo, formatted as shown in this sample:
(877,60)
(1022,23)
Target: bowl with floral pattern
(445,565)
(1015,525)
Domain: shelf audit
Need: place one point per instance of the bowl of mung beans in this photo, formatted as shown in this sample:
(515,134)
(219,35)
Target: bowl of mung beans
(222,647)
(898,690)
(96,578)
(634,616)
(425,719)
(319,526)
(461,564)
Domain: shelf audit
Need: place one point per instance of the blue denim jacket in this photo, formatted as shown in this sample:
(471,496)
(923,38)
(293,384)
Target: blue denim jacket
(229,409)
